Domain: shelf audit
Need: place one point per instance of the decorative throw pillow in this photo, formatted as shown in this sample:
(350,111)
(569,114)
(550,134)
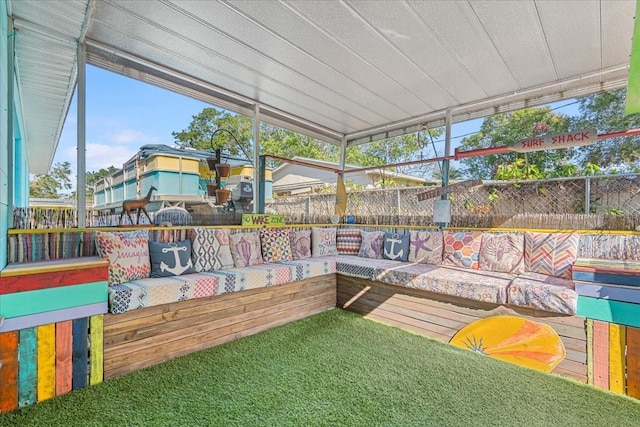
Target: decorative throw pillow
(245,249)
(426,247)
(170,259)
(323,241)
(396,246)
(276,244)
(348,241)
(300,244)
(502,252)
(462,248)
(552,254)
(210,249)
(372,243)
(127,252)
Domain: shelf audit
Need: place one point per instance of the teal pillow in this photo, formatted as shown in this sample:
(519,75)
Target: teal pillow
(170,259)
(396,247)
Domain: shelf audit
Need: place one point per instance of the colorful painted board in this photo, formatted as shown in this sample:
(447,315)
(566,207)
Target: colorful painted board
(513,339)
(633,362)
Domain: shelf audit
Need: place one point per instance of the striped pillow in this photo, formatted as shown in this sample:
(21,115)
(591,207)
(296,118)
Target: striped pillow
(348,241)
(552,254)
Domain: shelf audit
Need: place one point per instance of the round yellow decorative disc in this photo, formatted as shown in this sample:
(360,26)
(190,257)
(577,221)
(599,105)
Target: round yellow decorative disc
(513,339)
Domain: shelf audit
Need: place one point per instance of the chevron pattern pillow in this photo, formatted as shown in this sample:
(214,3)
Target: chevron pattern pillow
(348,241)
(210,249)
(552,254)
(276,244)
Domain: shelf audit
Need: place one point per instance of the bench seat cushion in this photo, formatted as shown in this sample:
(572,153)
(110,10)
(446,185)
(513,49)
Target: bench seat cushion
(607,271)
(488,286)
(543,292)
(156,291)
(364,268)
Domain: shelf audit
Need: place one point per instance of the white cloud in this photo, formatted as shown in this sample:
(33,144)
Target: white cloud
(101,156)
(129,136)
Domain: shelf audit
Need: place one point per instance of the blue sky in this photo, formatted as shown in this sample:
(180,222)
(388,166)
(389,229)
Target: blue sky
(123,114)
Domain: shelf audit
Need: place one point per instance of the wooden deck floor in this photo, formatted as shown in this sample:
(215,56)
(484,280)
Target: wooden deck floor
(441,316)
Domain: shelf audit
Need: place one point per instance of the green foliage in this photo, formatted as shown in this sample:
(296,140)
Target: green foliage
(93,177)
(507,129)
(200,132)
(518,170)
(605,112)
(53,184)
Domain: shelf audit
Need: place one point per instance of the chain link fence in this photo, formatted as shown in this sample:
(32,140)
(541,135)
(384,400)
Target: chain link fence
(598,202)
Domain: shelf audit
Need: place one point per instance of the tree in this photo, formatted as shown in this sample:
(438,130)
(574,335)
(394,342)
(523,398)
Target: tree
(605,112)
(51,185)
(200,132)
(287,144)
(93,177)
(507,129)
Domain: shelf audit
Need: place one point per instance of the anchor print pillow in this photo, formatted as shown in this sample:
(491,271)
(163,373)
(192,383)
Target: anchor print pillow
(396,247)
(127,252)
(245,249)
(170,259)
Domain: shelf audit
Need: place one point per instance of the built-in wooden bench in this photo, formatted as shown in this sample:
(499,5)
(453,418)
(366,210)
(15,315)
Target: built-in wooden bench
(148,336)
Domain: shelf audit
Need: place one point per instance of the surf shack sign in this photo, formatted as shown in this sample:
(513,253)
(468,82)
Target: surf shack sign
(554,142)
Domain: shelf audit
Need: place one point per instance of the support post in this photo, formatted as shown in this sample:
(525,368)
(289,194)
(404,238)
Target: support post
(258,175)
(11,174)
(445,162)
(587,195)
(81,190)
(261,183)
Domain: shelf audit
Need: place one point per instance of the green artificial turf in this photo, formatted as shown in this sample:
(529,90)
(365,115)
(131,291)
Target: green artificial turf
(335,368)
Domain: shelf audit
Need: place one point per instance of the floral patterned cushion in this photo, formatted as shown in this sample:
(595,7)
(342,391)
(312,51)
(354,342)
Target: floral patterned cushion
(396,247)
(425,247)
(127,252)
(210,249)
(462,248)
(300,244)
(323,241)
(348,241)
(543,292)
(502,252)
(245,249)
(550,253)
(276,244)
(372,244)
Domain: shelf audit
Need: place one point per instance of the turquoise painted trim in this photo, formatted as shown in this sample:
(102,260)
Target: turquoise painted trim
(4,211)
(43,300)
(622,313)
(27,367)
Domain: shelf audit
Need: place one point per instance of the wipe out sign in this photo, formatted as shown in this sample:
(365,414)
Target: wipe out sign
(553,142)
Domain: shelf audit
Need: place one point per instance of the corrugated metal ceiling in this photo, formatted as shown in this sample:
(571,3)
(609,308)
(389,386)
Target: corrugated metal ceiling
(332,69)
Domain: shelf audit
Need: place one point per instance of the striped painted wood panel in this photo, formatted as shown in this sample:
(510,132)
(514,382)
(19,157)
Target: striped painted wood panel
(24,322)
(633,362)
(80,357)
(63,357)
(54,279)
(96,349)
(601,354)
(46,362)
(589,328)
(619,312)
(617,368)
(617,293)
(8,371)
(44,300)
(28,367)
